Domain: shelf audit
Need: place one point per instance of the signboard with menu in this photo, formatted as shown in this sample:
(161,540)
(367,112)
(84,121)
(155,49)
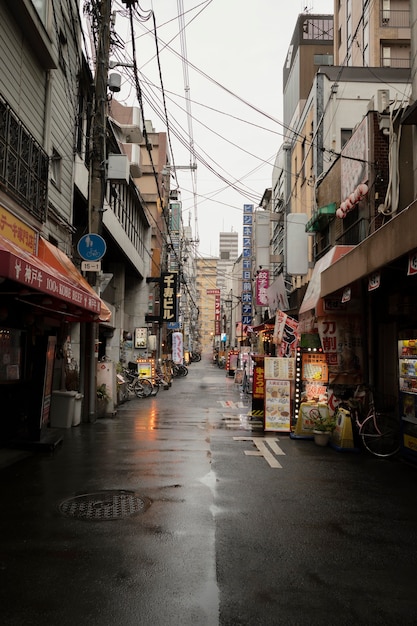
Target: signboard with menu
(279,374)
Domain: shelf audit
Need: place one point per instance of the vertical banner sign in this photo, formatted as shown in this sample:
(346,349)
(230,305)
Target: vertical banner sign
(247,312)
(175,209)
(169,297)
(177,348)
(217,315)
(262,284)
(216,293)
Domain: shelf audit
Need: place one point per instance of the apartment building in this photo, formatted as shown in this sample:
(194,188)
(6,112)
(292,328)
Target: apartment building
(372,33)
(207,290)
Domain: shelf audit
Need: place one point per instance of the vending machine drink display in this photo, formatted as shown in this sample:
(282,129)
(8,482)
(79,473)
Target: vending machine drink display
(407,354)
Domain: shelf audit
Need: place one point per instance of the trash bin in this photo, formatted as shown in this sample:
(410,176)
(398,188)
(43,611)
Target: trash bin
(62,408)
(76,420)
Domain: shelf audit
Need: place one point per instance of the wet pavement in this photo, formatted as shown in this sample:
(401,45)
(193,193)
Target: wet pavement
(180,510)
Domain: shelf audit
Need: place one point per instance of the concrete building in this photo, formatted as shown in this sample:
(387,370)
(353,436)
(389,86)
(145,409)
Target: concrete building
(372,34)
(206,284)
(228,253)
(47,307)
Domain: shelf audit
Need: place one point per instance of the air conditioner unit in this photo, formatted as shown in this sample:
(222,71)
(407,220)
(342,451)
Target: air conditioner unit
(132,151)
(382,100)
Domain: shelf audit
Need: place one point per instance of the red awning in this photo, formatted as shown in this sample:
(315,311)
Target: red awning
(33,272)
(59,260)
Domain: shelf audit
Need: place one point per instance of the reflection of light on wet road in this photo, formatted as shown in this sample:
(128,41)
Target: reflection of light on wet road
(148,422)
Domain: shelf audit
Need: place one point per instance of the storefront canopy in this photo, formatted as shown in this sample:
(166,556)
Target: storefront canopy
(312,298)
(64,284)
(58,259)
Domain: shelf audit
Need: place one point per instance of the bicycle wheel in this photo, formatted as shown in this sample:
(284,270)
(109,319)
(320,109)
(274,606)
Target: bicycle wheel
(381,435)
(148,386)
(143,388)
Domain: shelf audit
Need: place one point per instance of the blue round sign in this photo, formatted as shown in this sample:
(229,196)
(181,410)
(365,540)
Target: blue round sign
(91,247)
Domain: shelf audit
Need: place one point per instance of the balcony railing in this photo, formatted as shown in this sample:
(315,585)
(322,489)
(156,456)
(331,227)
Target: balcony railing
(395,19)
(23,164)
(393,62)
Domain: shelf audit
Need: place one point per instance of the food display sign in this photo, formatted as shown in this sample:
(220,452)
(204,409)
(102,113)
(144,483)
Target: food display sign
(277,405)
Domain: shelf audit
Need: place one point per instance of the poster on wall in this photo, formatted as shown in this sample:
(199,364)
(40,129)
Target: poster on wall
(341,338)
(279,367)
(277,405)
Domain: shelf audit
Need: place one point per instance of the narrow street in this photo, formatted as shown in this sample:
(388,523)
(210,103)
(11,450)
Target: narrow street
(195,519)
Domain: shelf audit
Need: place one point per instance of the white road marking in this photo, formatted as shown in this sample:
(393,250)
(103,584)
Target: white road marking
(262,444)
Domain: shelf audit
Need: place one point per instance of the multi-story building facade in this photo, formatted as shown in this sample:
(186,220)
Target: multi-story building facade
(48,308)
(206,284)
(228,253)
(372,34)
(72,164)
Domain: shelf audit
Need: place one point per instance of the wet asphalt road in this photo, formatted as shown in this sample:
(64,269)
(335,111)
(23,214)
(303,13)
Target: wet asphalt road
(327,538)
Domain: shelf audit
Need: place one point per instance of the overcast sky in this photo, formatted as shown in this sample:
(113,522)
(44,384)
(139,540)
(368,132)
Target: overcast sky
(236,51)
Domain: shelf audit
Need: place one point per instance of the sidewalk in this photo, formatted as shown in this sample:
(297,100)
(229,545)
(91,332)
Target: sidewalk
(140,475)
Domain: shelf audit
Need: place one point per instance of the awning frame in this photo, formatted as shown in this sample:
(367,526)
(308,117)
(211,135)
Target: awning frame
(35,274)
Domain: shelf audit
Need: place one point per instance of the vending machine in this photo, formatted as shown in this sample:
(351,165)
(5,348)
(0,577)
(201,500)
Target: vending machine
(407,367)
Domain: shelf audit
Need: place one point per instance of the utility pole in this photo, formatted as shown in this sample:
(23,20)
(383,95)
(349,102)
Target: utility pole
(98,161)
(98,175)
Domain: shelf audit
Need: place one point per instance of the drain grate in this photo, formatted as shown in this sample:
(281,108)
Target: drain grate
(104,505)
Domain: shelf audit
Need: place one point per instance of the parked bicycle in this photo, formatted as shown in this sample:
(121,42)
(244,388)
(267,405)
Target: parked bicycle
(141,387)
(376,422)
(156,382)
(179,370)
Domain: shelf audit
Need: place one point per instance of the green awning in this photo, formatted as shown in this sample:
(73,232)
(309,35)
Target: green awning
(321,218)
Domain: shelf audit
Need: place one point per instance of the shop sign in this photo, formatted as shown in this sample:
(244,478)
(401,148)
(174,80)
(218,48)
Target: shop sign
(277,405)
(29,274)
(217,328)
(286,334)
(177,348)
(258,389)
(341,339)
(17,232)
(141,337)
(169,296)
(262,284)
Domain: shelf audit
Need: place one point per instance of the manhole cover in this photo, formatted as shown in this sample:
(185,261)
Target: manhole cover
(104,505)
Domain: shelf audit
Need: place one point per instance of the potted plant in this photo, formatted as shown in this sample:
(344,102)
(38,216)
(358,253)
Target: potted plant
(102,398)
(323,426)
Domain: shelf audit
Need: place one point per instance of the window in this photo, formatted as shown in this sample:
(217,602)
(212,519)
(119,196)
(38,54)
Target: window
(345,135)
(323,59)
(55,169)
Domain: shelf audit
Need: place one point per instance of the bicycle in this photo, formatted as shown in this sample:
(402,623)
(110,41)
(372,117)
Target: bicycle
(378,428)
(141,387)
